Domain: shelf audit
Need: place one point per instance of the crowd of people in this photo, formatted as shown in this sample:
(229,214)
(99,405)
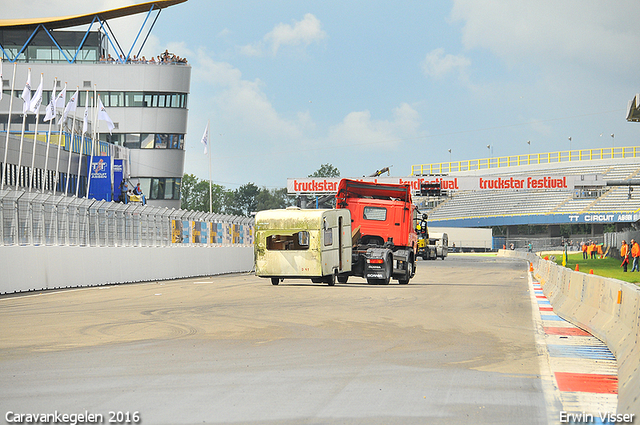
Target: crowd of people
(163,59)
(590,249)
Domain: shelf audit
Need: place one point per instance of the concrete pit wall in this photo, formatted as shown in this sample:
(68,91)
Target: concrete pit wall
(609,309)
(34,268)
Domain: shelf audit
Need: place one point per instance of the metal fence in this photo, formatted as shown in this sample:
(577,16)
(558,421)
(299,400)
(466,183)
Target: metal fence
(29,218)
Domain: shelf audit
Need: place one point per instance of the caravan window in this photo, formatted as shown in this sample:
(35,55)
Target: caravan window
(328,237)
(296,242)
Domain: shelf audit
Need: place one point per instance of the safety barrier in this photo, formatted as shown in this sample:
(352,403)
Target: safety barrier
(33,218)
(50,241)
(607,308)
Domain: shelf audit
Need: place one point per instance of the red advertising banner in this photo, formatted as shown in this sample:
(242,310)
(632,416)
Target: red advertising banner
(319,185)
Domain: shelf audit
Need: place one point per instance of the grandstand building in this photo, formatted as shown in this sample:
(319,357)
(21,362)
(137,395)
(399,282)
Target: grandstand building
(597,195)
(146,100)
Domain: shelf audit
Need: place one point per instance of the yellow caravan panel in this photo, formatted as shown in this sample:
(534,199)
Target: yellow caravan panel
(296,243)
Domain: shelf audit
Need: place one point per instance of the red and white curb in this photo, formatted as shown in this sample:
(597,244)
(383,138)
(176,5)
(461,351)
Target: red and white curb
(579,373)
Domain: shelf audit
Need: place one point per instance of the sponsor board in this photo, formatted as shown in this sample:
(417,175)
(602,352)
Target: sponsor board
(559,182)
(100,175)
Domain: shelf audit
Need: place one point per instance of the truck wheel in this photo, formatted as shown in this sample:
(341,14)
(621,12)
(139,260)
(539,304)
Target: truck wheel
(275,280)
(343,279)
(387,272)
(331,279)
(407,276)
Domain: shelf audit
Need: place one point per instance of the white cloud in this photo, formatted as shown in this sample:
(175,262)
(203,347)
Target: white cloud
(301,33)
(547,32)
(359,128)
(242,102)
(436,64)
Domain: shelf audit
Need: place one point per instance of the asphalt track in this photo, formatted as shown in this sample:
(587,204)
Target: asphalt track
(455,346)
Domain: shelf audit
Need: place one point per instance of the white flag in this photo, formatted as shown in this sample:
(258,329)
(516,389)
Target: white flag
(50,110)
(205,138)
(26,94)
(36,100)
(71,106)
(85,120)
(102,115)
(60,98)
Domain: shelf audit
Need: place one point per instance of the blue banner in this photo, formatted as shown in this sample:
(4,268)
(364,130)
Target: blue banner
(118,175)
(100,175)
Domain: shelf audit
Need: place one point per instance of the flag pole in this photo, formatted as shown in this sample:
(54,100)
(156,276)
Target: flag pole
(57,176)
(25,110)
(93,138)
(46,155)
(73,129)
(210,185)
(6,142)
(85,125)
(35,136)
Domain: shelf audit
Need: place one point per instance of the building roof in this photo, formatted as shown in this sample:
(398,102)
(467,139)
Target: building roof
(74,21)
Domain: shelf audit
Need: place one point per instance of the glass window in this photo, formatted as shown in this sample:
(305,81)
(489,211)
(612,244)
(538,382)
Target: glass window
(297,241)
(146,141)
(145,184)
(328,237)
(162,141)
(161,188)
(134,99)
(176,188)
(375,213)
(153,192)
(132,141)
(116,99)
(161,99)
(168,189)
(147,99)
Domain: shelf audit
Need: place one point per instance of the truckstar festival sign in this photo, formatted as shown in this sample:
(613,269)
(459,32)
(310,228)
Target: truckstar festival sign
(319,185)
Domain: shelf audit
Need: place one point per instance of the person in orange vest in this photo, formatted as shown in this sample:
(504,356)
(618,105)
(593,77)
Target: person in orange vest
(590,247)
(585,246)
(624,253)
(635,253)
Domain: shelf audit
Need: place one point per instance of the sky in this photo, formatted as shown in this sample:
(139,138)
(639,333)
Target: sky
(290,85)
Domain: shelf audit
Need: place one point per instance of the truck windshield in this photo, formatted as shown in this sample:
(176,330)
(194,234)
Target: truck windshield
(375,213)
(298,241)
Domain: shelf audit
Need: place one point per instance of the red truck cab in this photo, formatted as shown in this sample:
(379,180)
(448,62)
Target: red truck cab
(383,227)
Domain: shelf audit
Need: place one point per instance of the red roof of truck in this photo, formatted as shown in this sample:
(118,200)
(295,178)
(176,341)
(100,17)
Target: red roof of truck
(361,189)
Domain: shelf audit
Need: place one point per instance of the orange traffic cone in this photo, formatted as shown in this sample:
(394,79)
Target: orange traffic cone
(577,268)
(591,271)
(546,257)
(531,267)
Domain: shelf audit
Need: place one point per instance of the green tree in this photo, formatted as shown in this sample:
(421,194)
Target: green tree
(273,199)
(194,194)
(326,170)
